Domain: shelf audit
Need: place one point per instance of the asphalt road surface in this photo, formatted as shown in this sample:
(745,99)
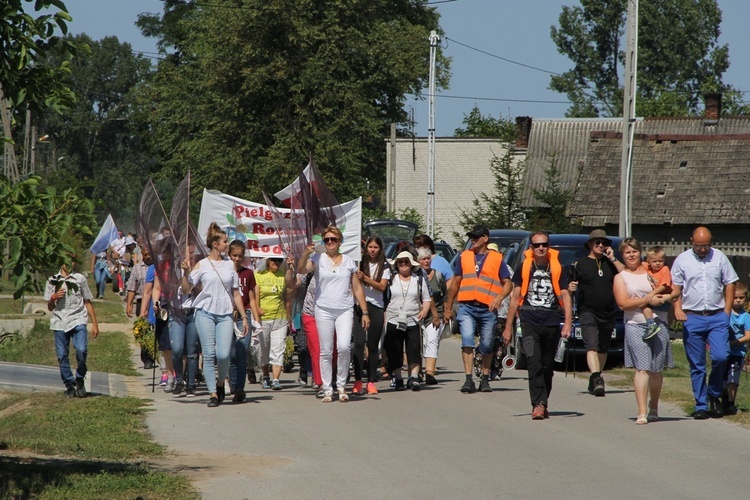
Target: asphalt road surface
(439,443)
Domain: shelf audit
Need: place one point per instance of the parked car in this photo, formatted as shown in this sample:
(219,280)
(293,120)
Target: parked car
(441,248)
(391,230)
(571,248)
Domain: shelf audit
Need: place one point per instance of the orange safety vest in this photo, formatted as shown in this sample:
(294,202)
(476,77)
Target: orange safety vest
(555,270)
(485,287)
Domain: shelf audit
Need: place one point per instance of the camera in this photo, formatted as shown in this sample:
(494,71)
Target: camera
(401,326)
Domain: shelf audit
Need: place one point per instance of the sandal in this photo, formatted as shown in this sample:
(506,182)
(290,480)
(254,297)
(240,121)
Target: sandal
(343,398)
(641,420)
(327,397)
(653,415)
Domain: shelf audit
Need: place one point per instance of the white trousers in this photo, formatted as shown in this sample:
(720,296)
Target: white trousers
(334,324)
(431,340)
(272,336)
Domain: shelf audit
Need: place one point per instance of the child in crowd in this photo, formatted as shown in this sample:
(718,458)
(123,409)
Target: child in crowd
(661,282)
(739,337)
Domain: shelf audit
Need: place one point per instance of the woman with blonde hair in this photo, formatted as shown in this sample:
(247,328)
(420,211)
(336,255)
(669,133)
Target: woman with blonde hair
(337,287)
(218,297)
(633,292)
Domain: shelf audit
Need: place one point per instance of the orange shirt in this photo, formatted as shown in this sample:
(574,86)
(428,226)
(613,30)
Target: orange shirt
(661,277)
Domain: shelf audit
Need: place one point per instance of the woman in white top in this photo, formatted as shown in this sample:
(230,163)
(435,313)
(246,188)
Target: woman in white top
(633,292)
(410,302)
(337,285)
(213,306)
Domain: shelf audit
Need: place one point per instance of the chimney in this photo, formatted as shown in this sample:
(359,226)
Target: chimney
(523,130)
(713,107)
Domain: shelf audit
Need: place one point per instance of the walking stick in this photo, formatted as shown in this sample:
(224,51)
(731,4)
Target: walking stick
(156,360)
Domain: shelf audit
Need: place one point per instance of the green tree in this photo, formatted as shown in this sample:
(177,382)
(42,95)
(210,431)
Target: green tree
(478,125)
(254,86)
(552,215)
(25,43)
(44,229)
(100,138)
(679,56)
(500,209)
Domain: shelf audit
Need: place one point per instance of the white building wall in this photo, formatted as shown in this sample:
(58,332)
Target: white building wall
(462,172)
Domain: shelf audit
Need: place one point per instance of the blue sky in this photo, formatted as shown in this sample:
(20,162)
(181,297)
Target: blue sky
(517,30)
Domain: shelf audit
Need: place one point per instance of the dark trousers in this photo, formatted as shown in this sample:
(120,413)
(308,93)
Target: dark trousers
(539,345)
(396,340)
(372,338)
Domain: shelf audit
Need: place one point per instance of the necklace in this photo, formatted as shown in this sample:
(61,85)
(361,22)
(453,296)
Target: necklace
(334,265)
(536,268)
(599,266)
(404,291)
(478,262)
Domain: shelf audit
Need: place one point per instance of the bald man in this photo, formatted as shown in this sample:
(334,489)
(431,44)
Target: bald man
(703,279)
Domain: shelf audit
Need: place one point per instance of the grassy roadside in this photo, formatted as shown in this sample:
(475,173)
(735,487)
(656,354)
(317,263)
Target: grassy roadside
(677,389)
(98,447)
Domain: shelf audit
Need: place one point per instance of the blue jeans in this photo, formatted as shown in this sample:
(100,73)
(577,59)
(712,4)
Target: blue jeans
(697,331)
(215,333)
(473,318)
(62,349)
(101,273)
(238,355)
(183,340)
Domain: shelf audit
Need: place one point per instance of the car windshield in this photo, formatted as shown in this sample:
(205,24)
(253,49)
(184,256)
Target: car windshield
(392,232)
(570,254)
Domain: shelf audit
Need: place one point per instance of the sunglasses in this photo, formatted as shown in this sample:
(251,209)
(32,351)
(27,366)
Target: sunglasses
(600,243)
(330,240)
(403,263)
(543,244)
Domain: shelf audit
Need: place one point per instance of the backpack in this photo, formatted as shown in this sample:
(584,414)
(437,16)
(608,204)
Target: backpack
(387,292)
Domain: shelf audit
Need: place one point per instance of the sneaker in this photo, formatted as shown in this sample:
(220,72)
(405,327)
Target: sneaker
(653,415)
(731,410)
(80,388)
(538,413)
(179,386)
(213,402)
(164,379)
(276,385)
(393,382)
(398,384)
(546,413)
(70,392)
(266,383)
(220,392)
(343,397)
(327,396)
(371,388)
(190,392)
(592,379)
(430,379)
(484,384)
(415,385)
(599,390)
(357,389)
(239,396)
(170,386)
(469,387)
(651,330)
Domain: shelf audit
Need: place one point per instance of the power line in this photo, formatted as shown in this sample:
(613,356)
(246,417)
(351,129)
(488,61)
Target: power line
(502,58)
(535,101)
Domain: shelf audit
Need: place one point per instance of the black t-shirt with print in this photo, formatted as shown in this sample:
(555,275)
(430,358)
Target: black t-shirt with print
(595,292)
(540,306)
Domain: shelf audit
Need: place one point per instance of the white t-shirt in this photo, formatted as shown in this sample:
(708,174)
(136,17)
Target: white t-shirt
(218,279)
(405,298)
(334,283)
(373,296)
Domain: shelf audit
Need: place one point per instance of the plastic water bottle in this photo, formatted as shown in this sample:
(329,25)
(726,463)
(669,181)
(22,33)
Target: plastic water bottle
(560,354)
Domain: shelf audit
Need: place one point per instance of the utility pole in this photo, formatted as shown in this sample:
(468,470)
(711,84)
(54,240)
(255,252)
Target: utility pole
(434,39)
(628,120)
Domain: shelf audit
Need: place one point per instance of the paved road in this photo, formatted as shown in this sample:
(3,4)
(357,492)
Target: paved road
(440,443)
